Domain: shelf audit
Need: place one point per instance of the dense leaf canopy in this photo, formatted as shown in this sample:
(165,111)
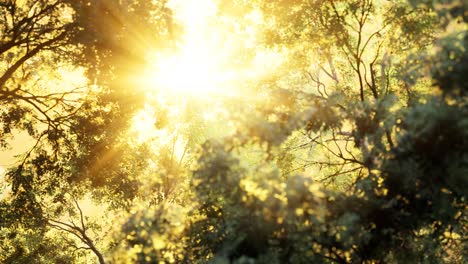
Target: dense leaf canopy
(286,131)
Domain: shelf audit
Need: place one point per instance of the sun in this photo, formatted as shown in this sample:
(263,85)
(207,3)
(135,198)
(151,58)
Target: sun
(194,69)
(208,67)
(191,72)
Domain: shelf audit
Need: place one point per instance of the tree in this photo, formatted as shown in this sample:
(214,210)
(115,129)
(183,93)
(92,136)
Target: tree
(75,129)
(353,150)
(404,204)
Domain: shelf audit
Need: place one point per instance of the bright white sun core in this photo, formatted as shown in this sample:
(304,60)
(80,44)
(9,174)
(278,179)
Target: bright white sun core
(194,69)
(188,72)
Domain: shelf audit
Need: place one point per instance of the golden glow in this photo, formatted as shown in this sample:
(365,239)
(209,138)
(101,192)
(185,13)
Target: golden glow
(189,72)
(194,69)
(144,124)
(214,60)
(210,56)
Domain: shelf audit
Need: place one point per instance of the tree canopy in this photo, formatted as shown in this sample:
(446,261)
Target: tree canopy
(213,131)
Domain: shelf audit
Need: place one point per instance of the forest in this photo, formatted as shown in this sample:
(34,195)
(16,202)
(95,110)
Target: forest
(233,131)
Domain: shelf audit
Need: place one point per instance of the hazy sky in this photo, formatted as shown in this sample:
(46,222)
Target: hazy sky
(19,145)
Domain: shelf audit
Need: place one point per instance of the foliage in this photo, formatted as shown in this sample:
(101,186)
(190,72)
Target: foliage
(353,149)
